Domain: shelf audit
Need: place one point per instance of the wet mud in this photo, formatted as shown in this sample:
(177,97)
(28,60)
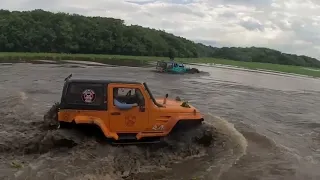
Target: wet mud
(88,156)
(200,73)
(253,129)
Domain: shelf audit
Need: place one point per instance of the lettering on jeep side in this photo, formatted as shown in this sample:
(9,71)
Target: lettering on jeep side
(158,127)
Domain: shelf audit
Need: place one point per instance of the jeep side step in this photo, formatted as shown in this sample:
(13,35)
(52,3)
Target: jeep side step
(130,139)
(134,142)
(127,136)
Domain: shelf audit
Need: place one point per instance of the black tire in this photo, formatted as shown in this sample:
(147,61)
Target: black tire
(199,133)
(194,70)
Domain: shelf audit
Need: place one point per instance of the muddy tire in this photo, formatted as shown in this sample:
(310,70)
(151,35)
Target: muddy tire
(200,133)
(194,70)
(51,117)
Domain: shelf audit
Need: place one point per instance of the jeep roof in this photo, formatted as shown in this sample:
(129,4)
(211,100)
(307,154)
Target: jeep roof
(101,81)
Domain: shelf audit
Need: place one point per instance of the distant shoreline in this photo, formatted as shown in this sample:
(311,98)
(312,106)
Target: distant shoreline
(142,61)
(264,71)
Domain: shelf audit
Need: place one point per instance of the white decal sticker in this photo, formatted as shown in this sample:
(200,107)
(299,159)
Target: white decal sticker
(158,127)
(88,96)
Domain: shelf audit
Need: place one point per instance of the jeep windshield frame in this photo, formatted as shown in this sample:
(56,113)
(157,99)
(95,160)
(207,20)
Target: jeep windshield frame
(151,96)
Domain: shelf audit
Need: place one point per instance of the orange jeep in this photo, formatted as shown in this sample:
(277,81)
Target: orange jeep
(124,111)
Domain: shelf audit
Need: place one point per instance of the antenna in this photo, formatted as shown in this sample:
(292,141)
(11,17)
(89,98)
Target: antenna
(67,78)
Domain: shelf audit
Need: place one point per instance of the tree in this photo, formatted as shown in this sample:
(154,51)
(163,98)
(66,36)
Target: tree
(171,54)
(43,31)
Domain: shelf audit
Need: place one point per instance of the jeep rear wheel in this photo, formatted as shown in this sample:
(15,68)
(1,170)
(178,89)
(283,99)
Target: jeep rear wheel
(194,70)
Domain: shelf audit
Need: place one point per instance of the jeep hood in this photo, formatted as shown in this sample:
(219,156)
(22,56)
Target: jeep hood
(175,106)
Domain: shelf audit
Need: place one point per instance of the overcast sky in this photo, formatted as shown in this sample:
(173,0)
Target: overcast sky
(291,26)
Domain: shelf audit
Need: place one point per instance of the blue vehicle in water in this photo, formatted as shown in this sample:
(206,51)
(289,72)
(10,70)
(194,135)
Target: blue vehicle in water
(174,67)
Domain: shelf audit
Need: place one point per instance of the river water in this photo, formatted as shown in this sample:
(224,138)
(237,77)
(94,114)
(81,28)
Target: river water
(269,127)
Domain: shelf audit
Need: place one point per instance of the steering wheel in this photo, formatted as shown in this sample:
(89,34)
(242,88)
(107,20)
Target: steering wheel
(128,93)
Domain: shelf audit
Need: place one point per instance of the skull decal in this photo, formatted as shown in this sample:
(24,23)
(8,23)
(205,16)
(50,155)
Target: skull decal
(88,96)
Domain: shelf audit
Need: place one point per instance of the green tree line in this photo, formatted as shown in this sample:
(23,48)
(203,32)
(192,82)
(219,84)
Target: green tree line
(43,31)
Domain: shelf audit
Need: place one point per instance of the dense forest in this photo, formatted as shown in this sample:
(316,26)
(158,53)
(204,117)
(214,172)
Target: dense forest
(43,31)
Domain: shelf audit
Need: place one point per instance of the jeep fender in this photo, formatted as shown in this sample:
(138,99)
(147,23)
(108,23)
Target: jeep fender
(185,123)
(97,121)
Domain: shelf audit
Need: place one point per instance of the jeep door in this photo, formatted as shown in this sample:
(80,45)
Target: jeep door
(133,119)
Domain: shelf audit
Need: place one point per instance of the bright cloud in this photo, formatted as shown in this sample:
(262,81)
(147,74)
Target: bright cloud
(290,26)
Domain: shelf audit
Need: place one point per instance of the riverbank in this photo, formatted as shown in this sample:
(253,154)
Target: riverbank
(146,60)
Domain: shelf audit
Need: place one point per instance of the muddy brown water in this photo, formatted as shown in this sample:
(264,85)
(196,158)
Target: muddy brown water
(264,126)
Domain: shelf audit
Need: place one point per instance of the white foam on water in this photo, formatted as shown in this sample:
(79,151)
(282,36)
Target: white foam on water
(235,140)
(23,95)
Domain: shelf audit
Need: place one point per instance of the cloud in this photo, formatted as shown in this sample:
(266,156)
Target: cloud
(291,26)
(252,24)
